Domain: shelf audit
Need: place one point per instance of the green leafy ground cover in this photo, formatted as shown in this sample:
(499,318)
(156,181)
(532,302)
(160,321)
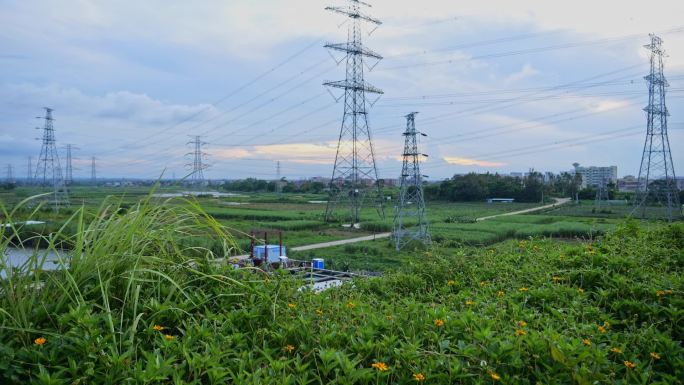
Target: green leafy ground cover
(138,306)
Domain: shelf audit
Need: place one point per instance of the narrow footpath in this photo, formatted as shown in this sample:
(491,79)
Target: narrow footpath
(560,201)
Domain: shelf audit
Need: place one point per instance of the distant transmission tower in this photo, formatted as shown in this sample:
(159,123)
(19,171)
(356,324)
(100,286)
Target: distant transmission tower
(10,174)
(410,222)
(601,198)
(279,185)
(48,169)
(93,174)
(198,165)
(29,173)
(657,184)
(69,177)
(355,175)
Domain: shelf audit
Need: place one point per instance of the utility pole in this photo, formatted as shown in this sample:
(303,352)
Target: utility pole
(657,185)
(48,169)
(355,175)
(198,165)
(410,221)
(93,174)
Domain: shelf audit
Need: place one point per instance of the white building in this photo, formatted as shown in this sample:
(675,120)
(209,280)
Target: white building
(595,176)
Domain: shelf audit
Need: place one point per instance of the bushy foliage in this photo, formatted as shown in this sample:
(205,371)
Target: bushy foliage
(137,308)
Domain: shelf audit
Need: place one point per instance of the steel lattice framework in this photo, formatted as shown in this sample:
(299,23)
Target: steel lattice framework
(48,169)
(410,221)
(93,173)
(69,177)
(198,165)
(601,198)
(355,177)
(657,195)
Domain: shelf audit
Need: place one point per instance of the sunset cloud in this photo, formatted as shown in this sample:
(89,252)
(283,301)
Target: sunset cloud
(471,162)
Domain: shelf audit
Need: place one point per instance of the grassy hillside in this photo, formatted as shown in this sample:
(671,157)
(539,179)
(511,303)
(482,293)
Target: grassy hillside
(138,304)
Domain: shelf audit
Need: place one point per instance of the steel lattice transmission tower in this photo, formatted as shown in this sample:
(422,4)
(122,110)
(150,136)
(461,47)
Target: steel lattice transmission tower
(69,177)
(355,176)
(198,165)
(410,221)
(601,198)
(48,169)
(657,185)
(93,174)
(29,173)
(10,174)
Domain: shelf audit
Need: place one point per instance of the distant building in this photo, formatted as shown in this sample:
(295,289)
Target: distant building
(593,176)
(627,184)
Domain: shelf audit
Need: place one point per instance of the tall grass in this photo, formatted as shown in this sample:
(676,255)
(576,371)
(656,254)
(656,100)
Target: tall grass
(128,266)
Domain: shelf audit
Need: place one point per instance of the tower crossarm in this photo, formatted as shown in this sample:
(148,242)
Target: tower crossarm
(354,14)
(354,49)
(352,85)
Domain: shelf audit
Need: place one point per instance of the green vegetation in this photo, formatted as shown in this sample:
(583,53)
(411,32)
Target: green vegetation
(138,304)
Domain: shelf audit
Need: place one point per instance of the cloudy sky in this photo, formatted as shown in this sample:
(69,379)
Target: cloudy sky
(501,86)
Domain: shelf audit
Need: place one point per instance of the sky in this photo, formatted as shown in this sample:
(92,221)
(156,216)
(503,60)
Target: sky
(500,86)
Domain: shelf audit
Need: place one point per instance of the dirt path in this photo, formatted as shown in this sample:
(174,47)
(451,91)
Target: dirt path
(559,201)
(373,237)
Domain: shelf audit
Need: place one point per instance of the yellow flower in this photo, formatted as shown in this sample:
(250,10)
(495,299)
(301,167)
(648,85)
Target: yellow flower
(523,289)
(655,355)
(439,322)
(482,283)
(660,293)
(580,290)
(168,337)
(158,327)
(616,350)
(522,324)
(40,341)
(500,293)
(419,377)
(586,342)
(389,317)
(469,303)
(601,329)
(494,376)
(351,305)
(451,282)
(630,364)
(556,278)
(289,348)
(319,311)
(380,366)
(520,332)
(291,306)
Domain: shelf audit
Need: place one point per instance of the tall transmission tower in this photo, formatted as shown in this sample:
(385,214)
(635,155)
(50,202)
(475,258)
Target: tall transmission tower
(657,185)
(29,171)
(198,165)
(93,174)
(10,174)
(69,177)
(355,176)
(410,221)
(48,169)
(601,198)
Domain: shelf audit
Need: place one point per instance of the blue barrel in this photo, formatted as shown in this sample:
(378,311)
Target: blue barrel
(318,263)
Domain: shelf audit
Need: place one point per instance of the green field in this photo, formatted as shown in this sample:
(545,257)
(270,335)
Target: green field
(301,222)
(137,304)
